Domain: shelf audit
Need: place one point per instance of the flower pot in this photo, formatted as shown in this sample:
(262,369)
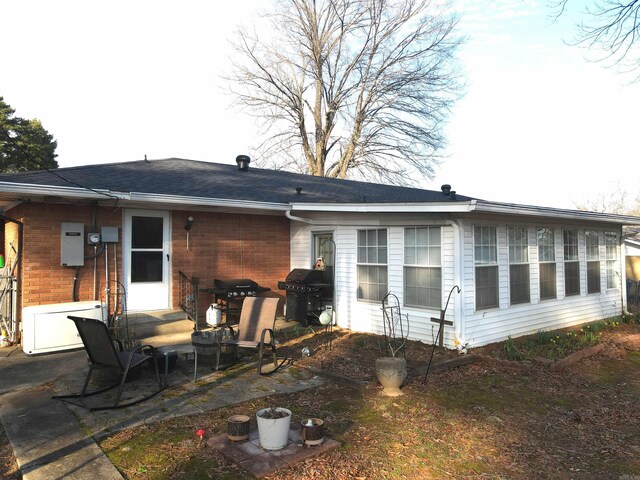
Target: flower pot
(312,431)
(238,428)
(391,373)
(273,427)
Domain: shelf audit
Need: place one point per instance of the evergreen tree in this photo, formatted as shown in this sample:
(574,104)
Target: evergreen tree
(24,144)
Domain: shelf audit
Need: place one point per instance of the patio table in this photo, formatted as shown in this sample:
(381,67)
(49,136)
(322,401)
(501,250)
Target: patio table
(182,349)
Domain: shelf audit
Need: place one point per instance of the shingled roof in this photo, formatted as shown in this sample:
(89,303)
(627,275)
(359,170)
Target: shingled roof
(191,178)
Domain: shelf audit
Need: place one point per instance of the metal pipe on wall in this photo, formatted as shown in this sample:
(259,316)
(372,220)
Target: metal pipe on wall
(106,277)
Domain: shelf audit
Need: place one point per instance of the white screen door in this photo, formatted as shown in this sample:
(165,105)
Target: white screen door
(147,259)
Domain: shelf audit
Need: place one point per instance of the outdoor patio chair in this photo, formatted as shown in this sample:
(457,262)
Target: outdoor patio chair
(102,352)
(255,330)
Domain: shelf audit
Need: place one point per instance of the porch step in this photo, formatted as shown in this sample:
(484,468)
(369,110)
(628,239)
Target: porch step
(159,322)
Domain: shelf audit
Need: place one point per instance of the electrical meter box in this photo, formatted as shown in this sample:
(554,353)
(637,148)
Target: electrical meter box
(72,245)
(109,234)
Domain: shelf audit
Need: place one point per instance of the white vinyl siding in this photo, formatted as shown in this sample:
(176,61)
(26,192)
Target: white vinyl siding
(478,327)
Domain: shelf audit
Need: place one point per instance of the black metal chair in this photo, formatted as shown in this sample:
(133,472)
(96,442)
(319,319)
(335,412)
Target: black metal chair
(255,330)
(102,352)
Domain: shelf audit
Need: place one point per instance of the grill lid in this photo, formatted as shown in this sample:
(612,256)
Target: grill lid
(306,276)
(235,284)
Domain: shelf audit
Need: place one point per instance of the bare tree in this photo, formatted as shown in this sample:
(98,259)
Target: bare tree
(617,201)
(613,30)
(358,87)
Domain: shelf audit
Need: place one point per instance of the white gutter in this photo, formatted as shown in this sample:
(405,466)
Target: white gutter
(476,206)
(206,202)
(53,191)
(102,194)
(422,207)
(513,209)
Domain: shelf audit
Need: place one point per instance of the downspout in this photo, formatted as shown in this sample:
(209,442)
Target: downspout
(298,219)
(458,266)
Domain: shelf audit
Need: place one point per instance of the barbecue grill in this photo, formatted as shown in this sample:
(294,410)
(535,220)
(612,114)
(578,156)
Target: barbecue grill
(305,292)
(231,292)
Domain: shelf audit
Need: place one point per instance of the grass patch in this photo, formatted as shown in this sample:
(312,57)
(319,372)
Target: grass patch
(554,345)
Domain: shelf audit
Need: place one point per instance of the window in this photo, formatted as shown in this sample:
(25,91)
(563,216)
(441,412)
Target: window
(593,261)
(422,272)
(486,266)
(571,263)
(547,263)
(372,264)
(518,265)
(324,257)
(611,247)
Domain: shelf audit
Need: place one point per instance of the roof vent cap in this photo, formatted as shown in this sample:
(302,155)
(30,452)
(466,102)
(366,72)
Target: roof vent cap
(243,162)
(298,190)
(446,189)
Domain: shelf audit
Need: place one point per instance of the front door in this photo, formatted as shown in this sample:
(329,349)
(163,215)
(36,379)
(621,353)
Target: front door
(147,260)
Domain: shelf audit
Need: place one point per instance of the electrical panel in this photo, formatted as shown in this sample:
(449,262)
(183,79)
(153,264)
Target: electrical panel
(72,245)
(109,234)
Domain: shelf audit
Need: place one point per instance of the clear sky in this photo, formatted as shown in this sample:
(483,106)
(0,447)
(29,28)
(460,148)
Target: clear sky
(115,81)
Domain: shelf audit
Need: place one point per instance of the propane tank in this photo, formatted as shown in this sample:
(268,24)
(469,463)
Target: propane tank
(214,315)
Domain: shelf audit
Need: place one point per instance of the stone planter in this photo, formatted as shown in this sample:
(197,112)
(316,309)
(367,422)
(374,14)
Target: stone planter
(273,427)
(238,428)
(391,373)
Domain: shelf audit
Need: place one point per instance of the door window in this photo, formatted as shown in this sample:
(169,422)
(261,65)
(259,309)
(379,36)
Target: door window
(146,249)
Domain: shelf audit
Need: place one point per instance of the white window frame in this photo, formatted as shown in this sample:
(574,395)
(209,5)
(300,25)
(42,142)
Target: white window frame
(518,258)
(547,258)
(368,256)
(611,258)
(593,260)
(425,259)
(485,249)
(571,256)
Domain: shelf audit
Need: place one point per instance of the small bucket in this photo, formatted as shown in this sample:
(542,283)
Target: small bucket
(312,431)
(238,428)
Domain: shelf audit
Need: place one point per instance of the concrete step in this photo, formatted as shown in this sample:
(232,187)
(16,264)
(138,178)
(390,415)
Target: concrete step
(154,323)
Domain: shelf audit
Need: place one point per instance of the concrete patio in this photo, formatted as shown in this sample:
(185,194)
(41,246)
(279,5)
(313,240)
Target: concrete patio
(54,439)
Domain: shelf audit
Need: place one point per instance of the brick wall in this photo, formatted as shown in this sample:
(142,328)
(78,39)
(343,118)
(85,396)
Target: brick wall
(220,246)
(41,277)
(230,246)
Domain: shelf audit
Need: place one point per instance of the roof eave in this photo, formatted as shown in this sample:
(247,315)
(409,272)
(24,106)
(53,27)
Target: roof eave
(527,210)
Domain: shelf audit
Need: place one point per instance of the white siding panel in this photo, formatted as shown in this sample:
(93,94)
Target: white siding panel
(346,276)
(300,251)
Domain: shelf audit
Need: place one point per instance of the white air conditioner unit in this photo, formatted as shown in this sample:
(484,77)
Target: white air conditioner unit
(46,328)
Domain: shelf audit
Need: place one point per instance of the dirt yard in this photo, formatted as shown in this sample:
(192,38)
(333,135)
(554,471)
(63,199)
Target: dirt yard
(487,419)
